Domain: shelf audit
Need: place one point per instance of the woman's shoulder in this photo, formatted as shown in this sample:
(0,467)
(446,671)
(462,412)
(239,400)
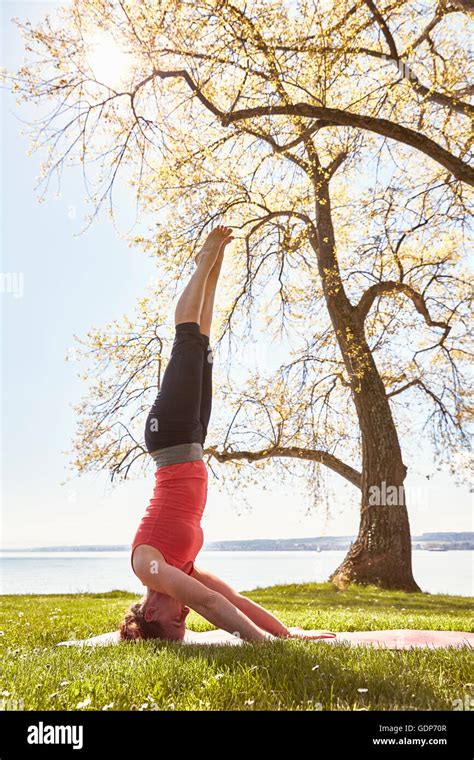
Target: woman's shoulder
(146,558)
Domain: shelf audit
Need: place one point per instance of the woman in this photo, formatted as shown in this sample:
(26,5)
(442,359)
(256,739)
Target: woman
(170,536)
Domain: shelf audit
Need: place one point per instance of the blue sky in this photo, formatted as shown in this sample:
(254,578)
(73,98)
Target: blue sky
(69,285)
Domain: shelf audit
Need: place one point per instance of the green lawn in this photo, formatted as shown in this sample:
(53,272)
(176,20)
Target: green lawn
(282,675)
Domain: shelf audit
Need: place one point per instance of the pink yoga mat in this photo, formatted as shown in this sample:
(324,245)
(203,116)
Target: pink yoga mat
(404,638)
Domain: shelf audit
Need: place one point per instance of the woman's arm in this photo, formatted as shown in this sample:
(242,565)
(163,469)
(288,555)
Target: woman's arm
(223,614)
(212,605)
(263,619)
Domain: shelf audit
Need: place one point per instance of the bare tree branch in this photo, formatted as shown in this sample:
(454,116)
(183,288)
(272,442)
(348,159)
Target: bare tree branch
(384,288)
(456,166)
(293,452)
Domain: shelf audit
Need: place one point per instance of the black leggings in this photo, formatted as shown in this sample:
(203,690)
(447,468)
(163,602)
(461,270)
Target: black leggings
(182,408)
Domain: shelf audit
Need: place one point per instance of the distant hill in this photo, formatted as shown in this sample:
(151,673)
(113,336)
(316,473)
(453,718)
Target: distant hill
(328,543)
(429,541)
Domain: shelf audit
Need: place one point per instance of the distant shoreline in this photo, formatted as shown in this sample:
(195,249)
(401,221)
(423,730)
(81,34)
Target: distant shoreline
(426,541)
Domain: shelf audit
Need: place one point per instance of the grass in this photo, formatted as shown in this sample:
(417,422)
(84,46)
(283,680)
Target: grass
(285,675)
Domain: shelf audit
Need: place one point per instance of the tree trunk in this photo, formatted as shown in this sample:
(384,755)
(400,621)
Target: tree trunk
(381,555)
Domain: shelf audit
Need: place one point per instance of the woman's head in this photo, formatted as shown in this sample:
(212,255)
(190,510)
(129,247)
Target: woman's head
(157,616)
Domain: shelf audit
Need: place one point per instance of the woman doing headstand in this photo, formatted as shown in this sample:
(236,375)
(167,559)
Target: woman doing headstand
(170,536)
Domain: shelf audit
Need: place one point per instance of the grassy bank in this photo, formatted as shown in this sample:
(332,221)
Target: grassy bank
(282,675)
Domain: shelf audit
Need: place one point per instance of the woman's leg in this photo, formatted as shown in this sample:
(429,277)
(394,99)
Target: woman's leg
(206,322)
(175,416)
(191,301)
(210,291)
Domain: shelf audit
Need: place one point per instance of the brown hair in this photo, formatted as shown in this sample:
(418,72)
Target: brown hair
(134,626)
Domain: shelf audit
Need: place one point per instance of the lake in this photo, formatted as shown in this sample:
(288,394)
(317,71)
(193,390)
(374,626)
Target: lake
(449,572)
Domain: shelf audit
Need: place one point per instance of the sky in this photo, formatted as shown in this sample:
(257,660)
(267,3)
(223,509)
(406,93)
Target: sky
(56,284)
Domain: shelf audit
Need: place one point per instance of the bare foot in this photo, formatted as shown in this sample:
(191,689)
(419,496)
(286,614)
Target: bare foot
(215,242)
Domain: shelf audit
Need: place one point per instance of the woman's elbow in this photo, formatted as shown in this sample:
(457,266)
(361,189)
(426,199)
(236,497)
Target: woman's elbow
(209,604)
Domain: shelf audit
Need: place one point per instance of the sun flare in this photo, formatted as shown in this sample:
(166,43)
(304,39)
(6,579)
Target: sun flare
(109,61)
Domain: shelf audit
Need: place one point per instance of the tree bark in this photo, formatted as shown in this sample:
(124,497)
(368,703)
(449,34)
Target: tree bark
(381,554)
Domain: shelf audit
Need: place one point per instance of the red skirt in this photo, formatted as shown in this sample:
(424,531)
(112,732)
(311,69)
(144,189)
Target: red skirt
(172,521)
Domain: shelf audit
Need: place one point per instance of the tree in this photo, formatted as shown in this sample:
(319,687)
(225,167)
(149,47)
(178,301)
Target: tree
(334,138)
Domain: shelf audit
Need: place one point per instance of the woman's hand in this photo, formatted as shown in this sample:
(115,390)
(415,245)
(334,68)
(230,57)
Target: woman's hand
(301,633)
